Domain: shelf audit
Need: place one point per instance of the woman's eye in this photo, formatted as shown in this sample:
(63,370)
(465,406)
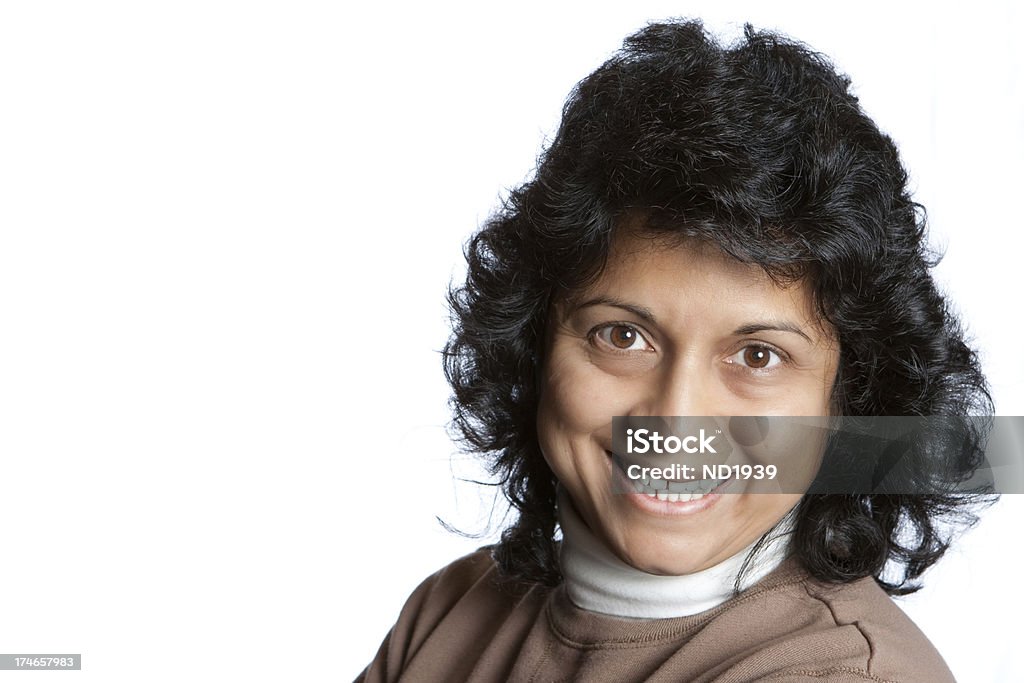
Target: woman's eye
(622,338)
(756,357)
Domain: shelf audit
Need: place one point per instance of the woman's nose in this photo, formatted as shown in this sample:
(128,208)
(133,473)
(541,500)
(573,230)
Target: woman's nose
(680,389)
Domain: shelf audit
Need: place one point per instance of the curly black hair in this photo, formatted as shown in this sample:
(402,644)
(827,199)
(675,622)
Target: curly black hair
(761,149)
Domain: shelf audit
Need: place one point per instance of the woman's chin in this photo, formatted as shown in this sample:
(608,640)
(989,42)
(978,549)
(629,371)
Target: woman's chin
(664,562)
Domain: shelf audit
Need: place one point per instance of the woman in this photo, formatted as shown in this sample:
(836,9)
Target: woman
(713,231)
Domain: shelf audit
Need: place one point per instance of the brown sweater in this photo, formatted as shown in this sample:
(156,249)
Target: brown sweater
(461,625)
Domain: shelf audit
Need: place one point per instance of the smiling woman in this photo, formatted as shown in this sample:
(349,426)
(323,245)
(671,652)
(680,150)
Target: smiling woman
(714,231)
(675,329)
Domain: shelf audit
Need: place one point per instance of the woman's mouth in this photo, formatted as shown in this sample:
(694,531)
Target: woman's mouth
(664,490)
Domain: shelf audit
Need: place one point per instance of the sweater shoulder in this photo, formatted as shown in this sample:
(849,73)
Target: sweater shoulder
(896,648)
(462,602)
(472,578)
(458,576)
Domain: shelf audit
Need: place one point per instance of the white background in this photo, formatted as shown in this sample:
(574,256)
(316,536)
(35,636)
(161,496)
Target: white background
(226,230)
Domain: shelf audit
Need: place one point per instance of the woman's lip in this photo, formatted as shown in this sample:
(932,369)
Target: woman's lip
(667,508)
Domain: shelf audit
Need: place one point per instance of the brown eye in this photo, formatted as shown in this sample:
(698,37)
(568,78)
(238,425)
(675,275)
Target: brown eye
(756,357)
(623,338)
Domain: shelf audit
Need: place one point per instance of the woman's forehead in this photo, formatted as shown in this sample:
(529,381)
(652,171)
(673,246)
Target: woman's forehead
(642,260)
(637,248)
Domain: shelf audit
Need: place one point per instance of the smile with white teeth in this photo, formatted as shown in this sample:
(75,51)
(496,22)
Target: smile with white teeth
(675,491)
(676,497)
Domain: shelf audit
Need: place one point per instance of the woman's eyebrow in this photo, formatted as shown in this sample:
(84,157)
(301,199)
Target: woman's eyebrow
(777,326)
(645,314)
(636,310)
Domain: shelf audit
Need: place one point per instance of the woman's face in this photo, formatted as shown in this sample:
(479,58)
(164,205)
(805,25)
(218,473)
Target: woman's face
(675,331)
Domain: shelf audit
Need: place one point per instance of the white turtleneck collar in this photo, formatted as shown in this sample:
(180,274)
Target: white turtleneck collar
(597,580)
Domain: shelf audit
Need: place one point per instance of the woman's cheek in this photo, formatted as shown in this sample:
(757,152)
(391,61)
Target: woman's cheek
(585,397)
